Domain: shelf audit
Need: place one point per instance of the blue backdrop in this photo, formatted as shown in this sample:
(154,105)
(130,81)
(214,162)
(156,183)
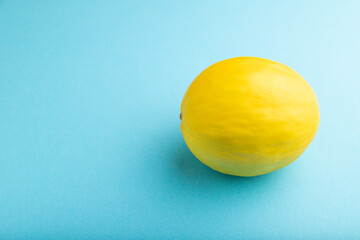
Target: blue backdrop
(90,141)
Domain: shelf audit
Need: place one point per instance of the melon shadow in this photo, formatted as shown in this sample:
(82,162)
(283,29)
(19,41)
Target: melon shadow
(187,165)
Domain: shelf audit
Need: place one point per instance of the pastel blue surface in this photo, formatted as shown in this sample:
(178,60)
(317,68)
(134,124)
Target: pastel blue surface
(90,141)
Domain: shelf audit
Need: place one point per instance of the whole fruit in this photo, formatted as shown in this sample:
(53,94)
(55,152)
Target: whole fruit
(248,116)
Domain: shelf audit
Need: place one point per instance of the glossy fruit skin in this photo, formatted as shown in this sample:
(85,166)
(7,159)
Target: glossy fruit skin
(248,116)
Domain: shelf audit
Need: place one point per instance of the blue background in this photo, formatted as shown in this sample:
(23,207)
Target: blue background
(90,141)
